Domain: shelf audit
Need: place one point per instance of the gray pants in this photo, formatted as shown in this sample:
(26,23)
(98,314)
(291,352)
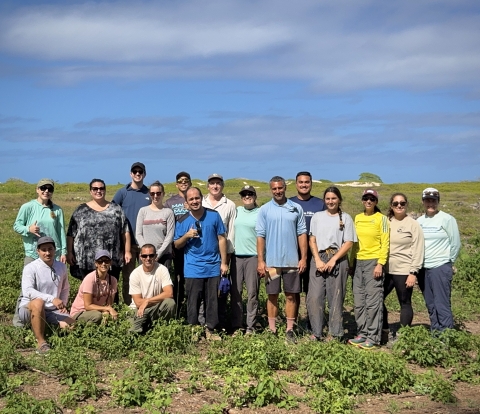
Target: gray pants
(163,310)
(333,287)
(244,269)
(368,300)
(93,316)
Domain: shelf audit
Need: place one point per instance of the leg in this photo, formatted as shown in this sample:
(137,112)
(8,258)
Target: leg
(252,283)
(427,290)
(194,288)
(37,319)
(179,278)
(442,288)
(359,299)
(237,272)
(373,304)
(291,285)
(336,288)
(164,310)
(211,302)
(404,296)
(388,286)
(126,271)
(93,316)
(316,301)
(272,289)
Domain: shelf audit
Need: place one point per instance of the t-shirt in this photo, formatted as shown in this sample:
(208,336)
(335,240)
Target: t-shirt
(442,239)
(227,210)
(177,204)
(101,291)
(245,234)
(202,254)
(310,207)
(326,229)
(407,246)
(373,237)
(156,227)
(148,284)
(280,226)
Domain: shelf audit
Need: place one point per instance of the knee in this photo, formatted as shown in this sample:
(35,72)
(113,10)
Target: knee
(36,305)
(291,297)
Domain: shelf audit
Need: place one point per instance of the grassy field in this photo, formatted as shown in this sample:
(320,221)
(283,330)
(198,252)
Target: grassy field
(103,369)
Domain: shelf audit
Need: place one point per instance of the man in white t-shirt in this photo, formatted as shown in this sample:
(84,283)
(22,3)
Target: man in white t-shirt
(151,289)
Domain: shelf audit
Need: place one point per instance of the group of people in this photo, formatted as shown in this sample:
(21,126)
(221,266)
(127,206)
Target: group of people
(302,244)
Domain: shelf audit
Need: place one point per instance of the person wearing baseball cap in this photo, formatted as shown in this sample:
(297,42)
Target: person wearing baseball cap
(442,246)
(373,233)
(243,263)
(96,293)
(45,291)
(132,198)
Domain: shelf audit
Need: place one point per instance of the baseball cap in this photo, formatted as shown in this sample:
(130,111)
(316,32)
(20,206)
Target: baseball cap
(430,192)
(247,188)
(138,165)
(102,253)
(45,181)
(370,192)
(183,174)
(215,175)
(45,240)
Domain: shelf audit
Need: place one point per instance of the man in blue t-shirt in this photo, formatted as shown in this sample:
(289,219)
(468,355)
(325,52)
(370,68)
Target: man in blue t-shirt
(310,205)
(202,233)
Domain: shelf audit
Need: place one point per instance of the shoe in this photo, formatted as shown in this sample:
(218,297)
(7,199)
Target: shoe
(237,332)
(249,331)
(290,337)
(357,341)
(392,339)
(212,336)
(367,345)
(43,349)
(385,336)
(314,338)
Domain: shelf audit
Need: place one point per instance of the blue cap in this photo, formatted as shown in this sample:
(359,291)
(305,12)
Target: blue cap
(102,253)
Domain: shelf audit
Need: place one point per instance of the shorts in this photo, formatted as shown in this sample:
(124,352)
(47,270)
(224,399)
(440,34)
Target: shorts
(291,282)
(52,317)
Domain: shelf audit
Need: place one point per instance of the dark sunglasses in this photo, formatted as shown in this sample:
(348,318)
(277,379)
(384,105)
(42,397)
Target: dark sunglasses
(102,261)
(198,226)
(397,203)
(158,194)
(95,189)
(137,172)
(184,181)
(431,194)
(150,256)
(369,198)
(48,188)
(248,195)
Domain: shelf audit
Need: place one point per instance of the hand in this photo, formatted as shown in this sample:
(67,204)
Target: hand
(71,259)
(63,259)
(330,265)
(34,229)
(58,303)
(411,279)
(378,271)
(113,313)
(142,308)
(302,265)
(128,257)
(223,269)
(192,233)
(320,265)
(261,268)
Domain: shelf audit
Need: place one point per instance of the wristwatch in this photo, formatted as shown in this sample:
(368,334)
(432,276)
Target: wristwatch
(414,273)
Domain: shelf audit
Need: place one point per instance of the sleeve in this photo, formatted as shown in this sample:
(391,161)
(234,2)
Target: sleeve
(260,225)
(165,277)
(313,225)
(118,197)
(350,233)
(29,286)
(384,240)
(220,226)
(231,229)
(451,228)
(73,225)
(418,247)
(179,232)
(114,285)
(139,227)
(64,292)
(125,228)
(301,224)
(170,219)
(88,284)
(20,225)
(135,288)
(62,236)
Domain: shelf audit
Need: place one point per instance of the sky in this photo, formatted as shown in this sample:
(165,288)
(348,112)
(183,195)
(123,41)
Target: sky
(247,89)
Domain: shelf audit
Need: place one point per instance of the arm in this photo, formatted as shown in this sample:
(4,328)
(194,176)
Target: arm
(70,255)
(143,303)
(182,241)
(87,301)
(319,264)
(303,245)
(451,228)
(222,246)
(261,265)
(384,245)
(231,229)
(170,232)
(127,244)
(71,233)
(139,228)
(63,293)
(63,239)
(337,256)
(29,286)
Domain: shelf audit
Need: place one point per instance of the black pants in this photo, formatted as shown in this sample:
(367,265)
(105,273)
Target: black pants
(198,289)
(178,279)
(404,296)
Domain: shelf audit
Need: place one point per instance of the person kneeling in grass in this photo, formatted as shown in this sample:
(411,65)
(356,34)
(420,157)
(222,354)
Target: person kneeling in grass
(45,290)
(151,289)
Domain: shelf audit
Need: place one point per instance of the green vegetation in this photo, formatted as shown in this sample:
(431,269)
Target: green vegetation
(97,368)
(369,177)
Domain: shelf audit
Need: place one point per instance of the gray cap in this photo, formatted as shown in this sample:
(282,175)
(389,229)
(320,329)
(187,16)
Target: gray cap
(102,253)
(45,181)
(246,189)
(430,192)
(45,240)
(214,175)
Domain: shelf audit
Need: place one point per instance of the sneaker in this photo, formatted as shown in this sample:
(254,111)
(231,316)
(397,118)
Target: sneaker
(249,331)
(212,336)
(290,337)
(43,349)
(367,345)
(357,341)
(314,338)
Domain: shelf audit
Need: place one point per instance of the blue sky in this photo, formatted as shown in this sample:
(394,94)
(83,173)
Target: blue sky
(243,88)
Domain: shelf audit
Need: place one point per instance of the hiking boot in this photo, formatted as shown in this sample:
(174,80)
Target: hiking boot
(43,349)
(357,341)
(290,337)
(212,336)
(249,331)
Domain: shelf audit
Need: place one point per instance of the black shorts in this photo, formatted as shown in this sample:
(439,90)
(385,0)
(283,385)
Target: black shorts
(291,283)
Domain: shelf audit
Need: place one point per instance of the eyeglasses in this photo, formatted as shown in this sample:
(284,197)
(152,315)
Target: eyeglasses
(397,203)
(157,194)
(134,172)
(248,195)
(104,261)
(150,256)
(95,189)
(369,198)
(184,181)
(48,188)
(198,226)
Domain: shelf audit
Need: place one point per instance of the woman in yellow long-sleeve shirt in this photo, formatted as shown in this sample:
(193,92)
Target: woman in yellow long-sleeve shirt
(372,229)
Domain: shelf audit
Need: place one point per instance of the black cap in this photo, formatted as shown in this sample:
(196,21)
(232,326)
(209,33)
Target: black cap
(183,174)
(139,165)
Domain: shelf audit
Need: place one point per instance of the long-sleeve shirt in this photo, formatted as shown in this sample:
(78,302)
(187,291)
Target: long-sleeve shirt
(50,221)
(373,237)
(442,239)
(39,280)
(156,227)
(407,246)
(228,211)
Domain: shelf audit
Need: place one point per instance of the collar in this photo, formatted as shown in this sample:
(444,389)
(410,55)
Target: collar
(129,187)
(289,205)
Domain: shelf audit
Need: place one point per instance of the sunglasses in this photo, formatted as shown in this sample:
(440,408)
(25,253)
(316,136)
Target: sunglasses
(397,203)
(95,189)
(150,256)
(198,226)
(184,181)
(48,188)
(137,172)
(104,261)
(248,195)
(158,194)
(431,194)
(369,198)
